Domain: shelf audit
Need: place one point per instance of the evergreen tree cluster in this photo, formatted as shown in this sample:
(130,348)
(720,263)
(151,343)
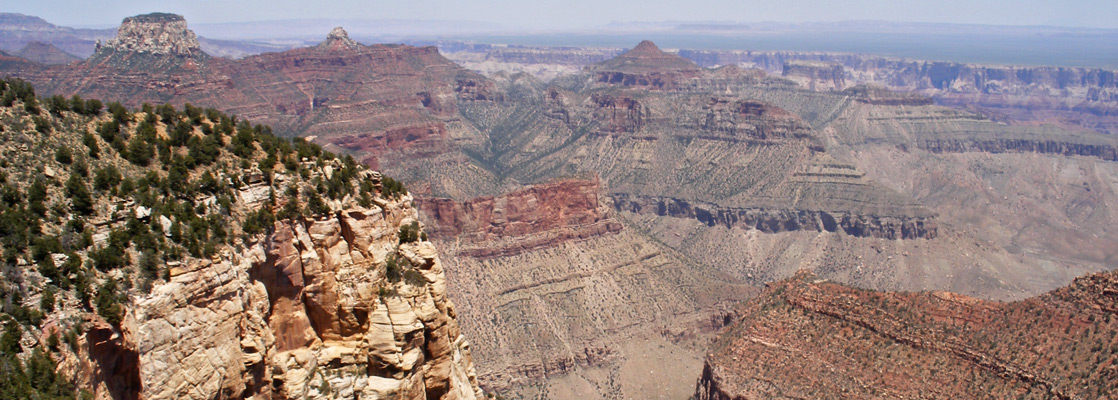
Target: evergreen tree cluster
(106,191)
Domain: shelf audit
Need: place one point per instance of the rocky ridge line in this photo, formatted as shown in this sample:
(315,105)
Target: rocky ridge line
(775,221)
(967,340)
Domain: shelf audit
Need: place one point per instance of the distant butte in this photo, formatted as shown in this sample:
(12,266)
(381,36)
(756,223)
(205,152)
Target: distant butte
(338,39)
(646,65)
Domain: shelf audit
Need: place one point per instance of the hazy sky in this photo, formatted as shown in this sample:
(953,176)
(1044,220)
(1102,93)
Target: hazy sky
(553,14)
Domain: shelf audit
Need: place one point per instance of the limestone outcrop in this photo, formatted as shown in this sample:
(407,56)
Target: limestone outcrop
(156,33)
(773,221)
(306,313)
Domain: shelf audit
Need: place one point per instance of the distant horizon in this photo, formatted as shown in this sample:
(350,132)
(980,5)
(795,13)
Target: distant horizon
(610,24)
(930,41)
(581,14)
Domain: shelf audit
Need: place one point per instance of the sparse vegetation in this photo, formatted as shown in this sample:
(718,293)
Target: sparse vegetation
(102,200)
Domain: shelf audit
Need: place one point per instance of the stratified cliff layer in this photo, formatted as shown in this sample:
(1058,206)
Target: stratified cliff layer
(578,303)
(306,313)
(807,338)
(1082,97)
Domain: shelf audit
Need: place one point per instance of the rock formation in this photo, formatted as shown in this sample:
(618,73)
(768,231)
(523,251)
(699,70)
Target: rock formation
(805,337)
(815,75)
(1082,97)
(338,39)
(305,314)
(151,43)
(646,65)
(709,182)
(556,270)
(44,53)
(229,277)
(156,33)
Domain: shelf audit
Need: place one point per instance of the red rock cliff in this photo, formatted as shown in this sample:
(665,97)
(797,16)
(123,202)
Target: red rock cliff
(557,211)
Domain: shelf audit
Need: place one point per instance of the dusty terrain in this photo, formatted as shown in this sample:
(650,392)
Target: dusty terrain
(805,337)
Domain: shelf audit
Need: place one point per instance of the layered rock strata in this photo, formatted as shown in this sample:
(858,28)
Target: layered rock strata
(1082,97)
(156,33)
(304,313)
(774,221)
(805,337)
(555,271)
(815,75)
(647,66)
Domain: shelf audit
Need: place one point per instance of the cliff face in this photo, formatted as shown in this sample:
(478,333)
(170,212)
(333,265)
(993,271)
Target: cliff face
(815,75)
(1081,97)
(298,275)
(304,313)
(555,270)
(804,337)
(156,33)
(775,221)
(539,208)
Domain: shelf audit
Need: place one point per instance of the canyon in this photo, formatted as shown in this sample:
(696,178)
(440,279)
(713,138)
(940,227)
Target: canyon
(602,223)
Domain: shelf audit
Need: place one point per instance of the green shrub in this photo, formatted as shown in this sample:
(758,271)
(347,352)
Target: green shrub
(409,233)
(63,156)
(90,142)
(140,151)
(81,201)
(106,178)
(108,303)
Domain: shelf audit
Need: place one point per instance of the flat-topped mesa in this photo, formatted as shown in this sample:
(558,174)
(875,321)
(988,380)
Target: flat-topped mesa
(646,65)
(156,33)
(338,39)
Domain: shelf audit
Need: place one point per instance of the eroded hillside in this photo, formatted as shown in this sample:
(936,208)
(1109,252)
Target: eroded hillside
(162,253)
(805,337)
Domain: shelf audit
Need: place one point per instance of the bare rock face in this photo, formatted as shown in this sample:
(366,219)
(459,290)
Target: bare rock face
(816,75)
(157,33)
(306,313)
(1075,97)
(338,39)
(648,66)
(808,338)
(540,216)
